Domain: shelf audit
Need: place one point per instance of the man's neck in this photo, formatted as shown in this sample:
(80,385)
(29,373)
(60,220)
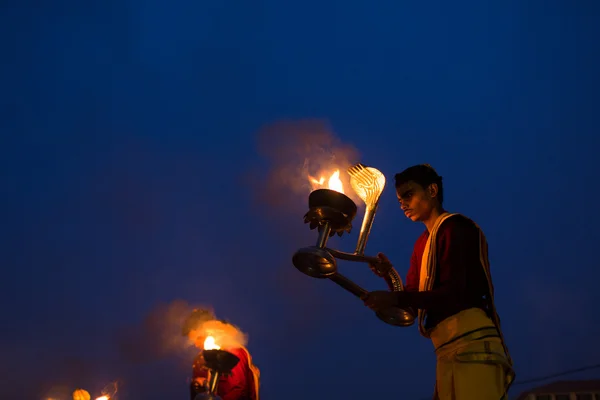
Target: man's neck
(435,214)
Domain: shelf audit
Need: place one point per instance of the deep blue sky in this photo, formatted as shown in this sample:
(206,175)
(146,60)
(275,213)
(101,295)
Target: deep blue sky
(117,117)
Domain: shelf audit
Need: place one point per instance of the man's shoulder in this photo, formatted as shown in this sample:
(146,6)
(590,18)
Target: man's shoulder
(459,224)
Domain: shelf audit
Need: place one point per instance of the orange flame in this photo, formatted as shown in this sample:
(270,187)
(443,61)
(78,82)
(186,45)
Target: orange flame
(334,182)
(209,344)
(103,398)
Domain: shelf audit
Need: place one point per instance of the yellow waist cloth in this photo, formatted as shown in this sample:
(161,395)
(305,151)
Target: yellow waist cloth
(472,324)
(470,338)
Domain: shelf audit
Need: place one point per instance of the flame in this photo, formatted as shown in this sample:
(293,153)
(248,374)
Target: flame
(209,344)
(103,398)
(334,182)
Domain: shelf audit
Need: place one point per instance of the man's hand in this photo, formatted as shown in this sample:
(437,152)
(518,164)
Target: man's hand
(381,299)
(382,267)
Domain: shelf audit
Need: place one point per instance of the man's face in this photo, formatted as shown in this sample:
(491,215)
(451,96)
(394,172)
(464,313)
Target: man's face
(415,201)
(197,338)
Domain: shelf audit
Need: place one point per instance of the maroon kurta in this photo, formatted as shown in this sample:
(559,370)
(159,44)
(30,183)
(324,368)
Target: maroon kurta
(460,281)
(237,386)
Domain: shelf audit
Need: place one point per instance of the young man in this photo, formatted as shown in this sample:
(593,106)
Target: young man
(450,285)
(241,384)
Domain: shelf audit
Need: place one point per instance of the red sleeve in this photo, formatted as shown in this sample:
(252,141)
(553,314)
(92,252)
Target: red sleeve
(236,385)
(456,238)
(412,276)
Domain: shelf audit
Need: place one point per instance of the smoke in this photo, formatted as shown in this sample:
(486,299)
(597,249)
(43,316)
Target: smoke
(290,151)
(227,336)
(158,335)
(111,389)
(59,392)
(293,151)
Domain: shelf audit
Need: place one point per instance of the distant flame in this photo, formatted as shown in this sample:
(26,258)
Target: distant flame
(209,344)
(334,182)
(103,398)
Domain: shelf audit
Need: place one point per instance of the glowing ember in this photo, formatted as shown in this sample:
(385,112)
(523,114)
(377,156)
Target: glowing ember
(334,182)
(81,394)
(209,344)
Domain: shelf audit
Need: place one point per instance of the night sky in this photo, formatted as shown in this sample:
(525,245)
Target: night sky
(152,152)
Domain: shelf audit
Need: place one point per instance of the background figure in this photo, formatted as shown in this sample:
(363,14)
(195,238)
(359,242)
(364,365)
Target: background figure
(243,382)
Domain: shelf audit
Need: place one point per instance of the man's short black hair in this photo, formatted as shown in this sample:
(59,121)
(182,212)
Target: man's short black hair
(422,174)
(195,319)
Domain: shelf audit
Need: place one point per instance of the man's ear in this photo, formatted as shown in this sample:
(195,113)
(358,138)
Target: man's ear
(433,190)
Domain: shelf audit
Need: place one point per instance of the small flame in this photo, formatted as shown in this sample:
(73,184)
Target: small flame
(334,182)
(103,398)
(209,344)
